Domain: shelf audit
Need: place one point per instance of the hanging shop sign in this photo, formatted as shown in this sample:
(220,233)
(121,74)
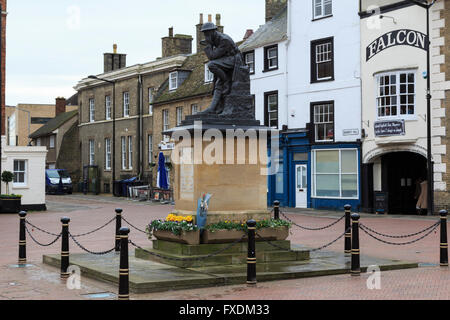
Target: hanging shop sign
(389,128)
(403,37)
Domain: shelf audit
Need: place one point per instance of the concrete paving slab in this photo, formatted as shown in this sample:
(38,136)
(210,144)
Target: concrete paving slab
(150,276)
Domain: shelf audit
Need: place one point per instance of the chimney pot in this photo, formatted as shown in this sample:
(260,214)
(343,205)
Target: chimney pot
(201,18)
(217,19)
(209,17)
(171,32)
(115,48)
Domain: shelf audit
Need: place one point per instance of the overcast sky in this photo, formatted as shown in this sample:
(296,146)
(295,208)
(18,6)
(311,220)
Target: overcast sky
(51,44)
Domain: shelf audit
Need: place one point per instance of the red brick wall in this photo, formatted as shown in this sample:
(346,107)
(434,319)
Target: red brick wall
(3,55)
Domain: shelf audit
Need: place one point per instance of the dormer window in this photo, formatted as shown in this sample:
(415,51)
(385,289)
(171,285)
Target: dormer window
(173,80)
(209,76)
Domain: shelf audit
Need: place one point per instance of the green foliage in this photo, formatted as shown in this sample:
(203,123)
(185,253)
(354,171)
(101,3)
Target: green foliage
(10,196)
(7,176)
(242,226)
(176,227)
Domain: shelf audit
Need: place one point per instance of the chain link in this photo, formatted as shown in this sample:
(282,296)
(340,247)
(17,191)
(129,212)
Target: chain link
(41,244)
(190,259)
(313,229)
(88,251)
(311,250)
(52,234)
(135,227)
(95,230)
(397,237)
(403,243)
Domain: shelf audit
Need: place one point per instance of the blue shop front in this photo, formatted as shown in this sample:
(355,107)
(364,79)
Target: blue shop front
(319,176)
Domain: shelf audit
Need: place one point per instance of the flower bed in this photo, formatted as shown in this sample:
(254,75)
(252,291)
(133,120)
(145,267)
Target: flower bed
(175,228)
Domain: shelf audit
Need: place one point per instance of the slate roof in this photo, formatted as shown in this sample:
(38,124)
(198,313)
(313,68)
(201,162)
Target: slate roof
(53,124)
(273,31)
(194,85)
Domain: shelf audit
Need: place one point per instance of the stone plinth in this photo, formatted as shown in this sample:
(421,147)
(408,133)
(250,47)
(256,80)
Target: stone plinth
(227,161)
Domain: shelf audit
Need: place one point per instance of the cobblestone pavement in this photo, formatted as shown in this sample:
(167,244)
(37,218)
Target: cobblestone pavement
(88,212)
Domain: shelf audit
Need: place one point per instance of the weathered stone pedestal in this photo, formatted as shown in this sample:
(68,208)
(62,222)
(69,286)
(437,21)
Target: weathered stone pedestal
(225,159)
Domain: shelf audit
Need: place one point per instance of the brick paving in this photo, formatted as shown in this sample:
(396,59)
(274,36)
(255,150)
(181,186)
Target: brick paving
(89,212)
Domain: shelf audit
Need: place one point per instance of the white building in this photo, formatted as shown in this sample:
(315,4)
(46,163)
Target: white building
(314,94)
(28,166)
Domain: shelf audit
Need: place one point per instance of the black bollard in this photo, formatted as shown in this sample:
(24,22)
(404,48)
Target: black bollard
(348,232)
(118,226)
(355,271)
(444,243)
(251,255)
(22,239)
(276,210)
(65,248)
(124,272)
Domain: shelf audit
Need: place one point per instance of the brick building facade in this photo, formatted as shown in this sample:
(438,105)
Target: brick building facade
(441,19)
(135,87)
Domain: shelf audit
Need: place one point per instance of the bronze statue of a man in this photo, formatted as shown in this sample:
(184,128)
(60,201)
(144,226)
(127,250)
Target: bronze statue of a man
(225,60)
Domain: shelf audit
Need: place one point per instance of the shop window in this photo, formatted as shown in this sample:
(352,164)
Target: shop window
(335,173)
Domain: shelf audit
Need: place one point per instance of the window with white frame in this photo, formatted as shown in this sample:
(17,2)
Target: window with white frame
(250,61)
(126,104)
(20,173)
(52,142)
(173,80)
(322,56)
(323,121)
(194,109)
(322,8)
(91,152)
(91,110)
(271,109)
(271,58)
(151,98)
(130,152)
(150,148)
(209,76)
(165,118)
(108,107)
(396,94)
(335,173)
(124,152)
(179,115)
(108,154)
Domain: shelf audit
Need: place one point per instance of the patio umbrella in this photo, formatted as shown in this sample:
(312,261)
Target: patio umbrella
(161,179)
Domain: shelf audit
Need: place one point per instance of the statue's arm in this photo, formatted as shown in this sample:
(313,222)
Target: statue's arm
(217,52)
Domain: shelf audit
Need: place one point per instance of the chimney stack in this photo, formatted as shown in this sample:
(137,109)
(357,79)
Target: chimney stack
(60,105)
(178,44)
(248,34)
(200,35)
(114,61)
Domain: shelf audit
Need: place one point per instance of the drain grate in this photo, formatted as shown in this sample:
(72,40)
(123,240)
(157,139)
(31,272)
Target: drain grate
(20,265)
(99,295)
(426,264)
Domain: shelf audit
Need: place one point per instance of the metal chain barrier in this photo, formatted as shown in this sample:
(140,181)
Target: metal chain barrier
(37,228)
(41,244)
(312,229)
(397,237)
(190,259)
(403,243)
(88,251)
(95,230)
(311,250)
(140,230)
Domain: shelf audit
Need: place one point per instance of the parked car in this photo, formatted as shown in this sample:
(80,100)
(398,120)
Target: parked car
(58,181)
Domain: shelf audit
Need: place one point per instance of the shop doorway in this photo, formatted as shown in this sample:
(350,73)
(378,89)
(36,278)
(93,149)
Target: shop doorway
(402,173)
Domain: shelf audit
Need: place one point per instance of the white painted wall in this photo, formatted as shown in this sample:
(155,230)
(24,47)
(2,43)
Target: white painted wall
(34,191)
(262,82)
(345,90)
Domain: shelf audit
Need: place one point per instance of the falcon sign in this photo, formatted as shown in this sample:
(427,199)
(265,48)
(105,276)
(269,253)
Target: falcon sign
(403,37)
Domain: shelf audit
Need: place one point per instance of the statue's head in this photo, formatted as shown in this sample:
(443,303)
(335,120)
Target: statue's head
(209,29)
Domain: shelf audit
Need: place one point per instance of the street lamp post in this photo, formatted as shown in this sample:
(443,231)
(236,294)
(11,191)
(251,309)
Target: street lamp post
(113,127)
(430,203)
